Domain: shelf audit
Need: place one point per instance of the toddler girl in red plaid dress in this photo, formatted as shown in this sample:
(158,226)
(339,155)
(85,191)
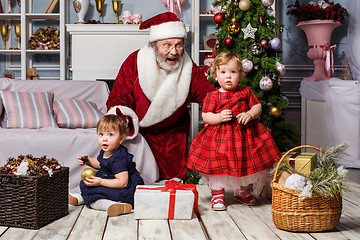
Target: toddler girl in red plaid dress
(234,150)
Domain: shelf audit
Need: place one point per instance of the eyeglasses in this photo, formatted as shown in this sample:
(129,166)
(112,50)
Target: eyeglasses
(168,47)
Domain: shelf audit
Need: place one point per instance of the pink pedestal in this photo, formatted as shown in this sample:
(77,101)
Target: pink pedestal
(318,33)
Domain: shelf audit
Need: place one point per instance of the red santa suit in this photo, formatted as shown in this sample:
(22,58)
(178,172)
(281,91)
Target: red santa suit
(160,101)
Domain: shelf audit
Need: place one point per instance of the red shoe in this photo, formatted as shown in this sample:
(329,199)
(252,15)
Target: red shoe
(217,200)
(246,198)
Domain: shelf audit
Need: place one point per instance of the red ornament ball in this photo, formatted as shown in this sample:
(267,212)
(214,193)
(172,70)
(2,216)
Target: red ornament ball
(229,42)
(219,18)
(228,14)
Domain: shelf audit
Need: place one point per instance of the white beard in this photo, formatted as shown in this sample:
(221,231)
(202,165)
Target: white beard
(164,65)
(166,93)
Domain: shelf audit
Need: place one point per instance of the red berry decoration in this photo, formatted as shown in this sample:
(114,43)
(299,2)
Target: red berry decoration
(228,14)
(219,18)
(229,42)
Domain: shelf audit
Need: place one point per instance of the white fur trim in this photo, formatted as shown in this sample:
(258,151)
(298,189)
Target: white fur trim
(167,30)
(166,94)
(127,112)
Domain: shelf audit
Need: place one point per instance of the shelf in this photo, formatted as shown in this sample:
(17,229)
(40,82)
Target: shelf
(10,16)
(207,16)
(205,51)
(45,16)
(43,51)
(10,52)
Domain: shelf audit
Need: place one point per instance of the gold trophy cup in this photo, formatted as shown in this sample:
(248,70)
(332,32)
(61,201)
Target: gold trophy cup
(116,7)
(19,1)
(99,7)
(18,33)
(4,28)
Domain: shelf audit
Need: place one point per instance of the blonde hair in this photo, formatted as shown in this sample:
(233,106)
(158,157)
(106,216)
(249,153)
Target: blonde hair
(225,58)
(112,122)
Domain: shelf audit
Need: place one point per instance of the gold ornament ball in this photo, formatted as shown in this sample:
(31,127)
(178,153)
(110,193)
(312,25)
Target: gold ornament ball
(264,43)
(244,5)
(87,172)
(274,112)
(233,27)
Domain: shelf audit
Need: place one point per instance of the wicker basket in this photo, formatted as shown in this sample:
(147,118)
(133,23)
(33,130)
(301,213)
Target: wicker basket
(33,201)
(312,214)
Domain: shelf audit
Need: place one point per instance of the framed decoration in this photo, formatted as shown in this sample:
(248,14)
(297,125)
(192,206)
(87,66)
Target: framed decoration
(209,41)
(8,74)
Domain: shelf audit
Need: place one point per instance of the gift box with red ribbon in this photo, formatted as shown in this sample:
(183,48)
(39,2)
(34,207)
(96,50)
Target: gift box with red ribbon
(173,200)
(303,162)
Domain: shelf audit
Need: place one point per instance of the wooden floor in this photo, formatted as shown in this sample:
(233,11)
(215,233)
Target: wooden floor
(238,222)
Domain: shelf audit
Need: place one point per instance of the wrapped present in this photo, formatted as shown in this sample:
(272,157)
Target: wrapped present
(283,176)
(303,162)
(173,200)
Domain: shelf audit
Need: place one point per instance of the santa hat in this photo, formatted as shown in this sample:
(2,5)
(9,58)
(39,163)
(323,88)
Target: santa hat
(129,117)
(163,26)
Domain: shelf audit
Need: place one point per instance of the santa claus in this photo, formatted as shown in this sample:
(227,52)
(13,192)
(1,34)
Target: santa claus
(157,83)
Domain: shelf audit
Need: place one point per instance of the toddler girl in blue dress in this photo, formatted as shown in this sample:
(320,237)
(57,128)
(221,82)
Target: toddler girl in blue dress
(113,187)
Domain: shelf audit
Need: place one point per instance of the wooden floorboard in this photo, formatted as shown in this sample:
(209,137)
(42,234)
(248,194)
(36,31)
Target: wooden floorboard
(238,222)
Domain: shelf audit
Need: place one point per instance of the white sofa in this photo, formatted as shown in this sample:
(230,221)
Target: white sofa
(62,143)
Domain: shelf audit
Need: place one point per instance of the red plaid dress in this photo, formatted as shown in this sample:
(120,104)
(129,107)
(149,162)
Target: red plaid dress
(231,148)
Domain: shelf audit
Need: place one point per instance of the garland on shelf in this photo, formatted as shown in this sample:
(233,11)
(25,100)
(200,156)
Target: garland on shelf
(45,39)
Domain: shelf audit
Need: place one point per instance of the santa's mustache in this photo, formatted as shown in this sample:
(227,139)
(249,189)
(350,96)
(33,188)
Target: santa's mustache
(172,56)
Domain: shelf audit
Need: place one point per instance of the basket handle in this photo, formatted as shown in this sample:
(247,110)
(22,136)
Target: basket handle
(291,150)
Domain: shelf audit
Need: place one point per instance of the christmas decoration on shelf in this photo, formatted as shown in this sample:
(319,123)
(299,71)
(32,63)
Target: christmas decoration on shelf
(259,46)
(45,39)
(173,6)
(209,41)
(208,59)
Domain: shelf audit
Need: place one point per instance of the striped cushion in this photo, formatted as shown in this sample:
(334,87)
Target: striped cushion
(28,109)
(75,113)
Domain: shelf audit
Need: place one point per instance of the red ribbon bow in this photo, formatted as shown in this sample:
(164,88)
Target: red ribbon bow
(171,186)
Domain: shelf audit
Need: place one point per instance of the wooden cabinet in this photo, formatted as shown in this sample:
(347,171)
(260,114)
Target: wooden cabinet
(31,17)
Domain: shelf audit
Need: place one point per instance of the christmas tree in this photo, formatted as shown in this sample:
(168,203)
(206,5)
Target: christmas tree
(249,29)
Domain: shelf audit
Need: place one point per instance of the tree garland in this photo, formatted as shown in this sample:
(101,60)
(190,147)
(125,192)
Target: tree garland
(45,38)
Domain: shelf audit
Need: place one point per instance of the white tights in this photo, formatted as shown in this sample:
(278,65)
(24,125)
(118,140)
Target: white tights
(102,204)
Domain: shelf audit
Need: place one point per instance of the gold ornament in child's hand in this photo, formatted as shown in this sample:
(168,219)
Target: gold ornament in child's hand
(86,173)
